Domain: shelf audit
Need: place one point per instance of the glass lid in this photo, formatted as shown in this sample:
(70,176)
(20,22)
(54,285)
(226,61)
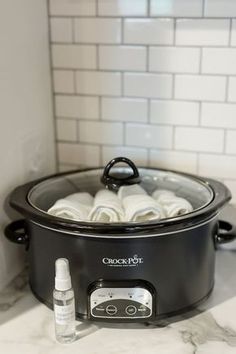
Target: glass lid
(153,181)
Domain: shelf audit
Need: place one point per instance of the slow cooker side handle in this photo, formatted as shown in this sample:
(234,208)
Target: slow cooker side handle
(16,232)
(226,232)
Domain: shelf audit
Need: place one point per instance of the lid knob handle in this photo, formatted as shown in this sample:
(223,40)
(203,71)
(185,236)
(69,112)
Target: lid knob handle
(115,181)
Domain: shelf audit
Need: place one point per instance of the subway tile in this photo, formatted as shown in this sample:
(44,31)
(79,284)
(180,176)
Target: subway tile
(174,112)
(174,59)
(219,8)
(199,139)
(63,81)
(101,132)
(124,109)
(198,87)
(214,165)
(174,160)
(148,31)
(199,32)
(98,83)
(138,155)
(128,58)
(149,136)
(98,30)
(172,8)
(122,7)
(219,61)
(78,154)
(74,56)
(232,89)
(61,29)
(72,8)
(77,107)
(220,115)
(230,142)
(233,33)
(66,129)
(148,85)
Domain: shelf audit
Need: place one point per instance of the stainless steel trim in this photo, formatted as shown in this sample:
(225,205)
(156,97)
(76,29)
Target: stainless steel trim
(123,236)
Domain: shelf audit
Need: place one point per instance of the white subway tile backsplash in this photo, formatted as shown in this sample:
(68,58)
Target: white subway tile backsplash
(72,7)
(77,107)
(202,32)
(78,154)
(199,87)
(148,85)
(132,80)
(232,89)
(124,109)
(221,166)
(98,83)
(219,8)
(174,112)
(174,160)
(138,155)
(66,129)
(63,81)
(230,142)
(101,132)
(233,33)
(100,30)
(149,136)
(219,61)
(148,31)
(122,7)
(172,8)
(199,139)
(128,58)
(220,115)
(74,56)
(61,29)
(174,59)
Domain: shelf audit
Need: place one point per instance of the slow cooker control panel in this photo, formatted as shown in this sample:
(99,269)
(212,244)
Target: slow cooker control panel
(121,303)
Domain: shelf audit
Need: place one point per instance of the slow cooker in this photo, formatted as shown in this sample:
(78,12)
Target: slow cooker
(123,272)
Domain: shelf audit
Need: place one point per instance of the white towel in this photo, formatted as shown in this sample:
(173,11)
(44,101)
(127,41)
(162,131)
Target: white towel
(107,207)
(75,207)
(173,205)
(138,205)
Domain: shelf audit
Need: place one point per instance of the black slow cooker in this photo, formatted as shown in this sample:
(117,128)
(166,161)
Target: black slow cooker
(123,272)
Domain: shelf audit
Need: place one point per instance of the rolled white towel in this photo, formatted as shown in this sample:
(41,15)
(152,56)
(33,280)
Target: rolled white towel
(172,204)
(138,205)
(75,207)
(139,208)
(179,206)
(133,189)
(107,207)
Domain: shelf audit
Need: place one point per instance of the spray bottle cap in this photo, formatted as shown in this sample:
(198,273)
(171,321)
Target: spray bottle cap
(62,279)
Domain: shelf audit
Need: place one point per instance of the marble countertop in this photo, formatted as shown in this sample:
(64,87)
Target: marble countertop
(26,326)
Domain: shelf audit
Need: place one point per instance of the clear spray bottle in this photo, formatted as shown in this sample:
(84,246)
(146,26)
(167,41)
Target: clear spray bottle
(64,303)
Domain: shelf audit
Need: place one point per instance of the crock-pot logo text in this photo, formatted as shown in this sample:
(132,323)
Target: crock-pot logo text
(123,262)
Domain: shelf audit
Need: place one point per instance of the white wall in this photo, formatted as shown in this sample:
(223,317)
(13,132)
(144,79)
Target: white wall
(150,79)
(26,123)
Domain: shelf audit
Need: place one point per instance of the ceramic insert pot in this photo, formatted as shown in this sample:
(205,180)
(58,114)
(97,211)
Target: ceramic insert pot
(123,272)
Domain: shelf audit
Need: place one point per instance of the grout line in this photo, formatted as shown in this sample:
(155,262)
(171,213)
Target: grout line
(230,31)
(173,87)
(203,8)
(200,114)
(97,57)
(122,29)
(147,57)
(96,10)
(174,32)
(225,141)
(99,108)
(227,89)
(158,16)
(148,8)
(73,30)
(52,88)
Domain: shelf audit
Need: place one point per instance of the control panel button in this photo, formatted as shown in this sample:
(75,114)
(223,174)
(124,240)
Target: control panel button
(111,310)
(131,310)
